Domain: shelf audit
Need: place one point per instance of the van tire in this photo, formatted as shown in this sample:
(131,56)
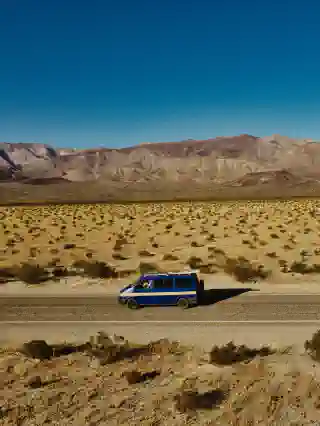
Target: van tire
(183,303)
(133,304)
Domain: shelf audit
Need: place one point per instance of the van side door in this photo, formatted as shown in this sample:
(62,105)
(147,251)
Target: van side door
(143,292)
(163,291)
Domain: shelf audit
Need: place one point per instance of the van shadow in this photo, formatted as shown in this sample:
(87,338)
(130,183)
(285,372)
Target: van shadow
(212,296)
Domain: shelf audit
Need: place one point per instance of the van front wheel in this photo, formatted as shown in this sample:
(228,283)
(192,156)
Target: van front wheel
(183,303)
(132,304)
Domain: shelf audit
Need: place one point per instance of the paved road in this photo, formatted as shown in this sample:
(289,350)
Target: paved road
(245,307)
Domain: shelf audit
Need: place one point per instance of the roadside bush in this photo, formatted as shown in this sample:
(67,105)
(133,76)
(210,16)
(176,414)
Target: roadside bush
(242,270)
(95,269)
(38,349)
(230,354)
(303,268)
(30,274)
(312,346)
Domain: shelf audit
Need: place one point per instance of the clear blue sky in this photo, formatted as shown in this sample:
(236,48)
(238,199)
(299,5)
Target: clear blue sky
(116,73)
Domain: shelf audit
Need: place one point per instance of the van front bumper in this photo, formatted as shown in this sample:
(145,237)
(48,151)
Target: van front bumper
(122,300)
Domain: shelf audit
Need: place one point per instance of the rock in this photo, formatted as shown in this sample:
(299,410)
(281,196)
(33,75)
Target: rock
(118,401)
(119,340)
(101,340)
(21,369)
(95,363)
(34,382)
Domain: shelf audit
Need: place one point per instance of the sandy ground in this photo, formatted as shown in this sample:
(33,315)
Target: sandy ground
(202,335)
(271,234)
(161,383)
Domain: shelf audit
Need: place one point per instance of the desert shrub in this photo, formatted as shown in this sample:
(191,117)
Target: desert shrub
(192,400)
(59,272)
(299,268)
(145,253)
(169,256)
(194,262)
(31,274)
(312,346)
(243,270)
(272,254)
(303,268)
(136,376)
(163,347)
(38,349)
(6,274)
(274,236)
(230,353)
(120,242)
(196,244)
(95,269)
(69,246)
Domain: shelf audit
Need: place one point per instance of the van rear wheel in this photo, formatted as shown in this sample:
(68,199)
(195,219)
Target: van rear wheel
(132,304)
(183,303)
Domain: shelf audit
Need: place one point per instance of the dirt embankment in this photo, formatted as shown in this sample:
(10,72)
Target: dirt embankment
(109,380)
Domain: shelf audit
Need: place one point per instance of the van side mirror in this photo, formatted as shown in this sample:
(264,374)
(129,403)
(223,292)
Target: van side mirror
(201,282)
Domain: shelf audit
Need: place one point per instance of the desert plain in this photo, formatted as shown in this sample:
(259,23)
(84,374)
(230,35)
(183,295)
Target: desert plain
(278,240)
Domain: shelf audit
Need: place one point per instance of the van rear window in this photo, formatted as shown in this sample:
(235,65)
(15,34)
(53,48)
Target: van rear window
(184,282)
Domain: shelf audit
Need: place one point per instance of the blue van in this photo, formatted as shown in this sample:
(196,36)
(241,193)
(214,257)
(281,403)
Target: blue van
(163,289)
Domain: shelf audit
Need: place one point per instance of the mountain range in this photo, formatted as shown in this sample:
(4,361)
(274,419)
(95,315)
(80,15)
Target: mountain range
(236,166)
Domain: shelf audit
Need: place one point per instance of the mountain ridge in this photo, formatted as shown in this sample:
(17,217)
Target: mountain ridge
(215,164)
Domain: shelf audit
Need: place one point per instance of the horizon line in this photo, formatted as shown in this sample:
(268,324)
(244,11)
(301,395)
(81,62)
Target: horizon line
(100,146)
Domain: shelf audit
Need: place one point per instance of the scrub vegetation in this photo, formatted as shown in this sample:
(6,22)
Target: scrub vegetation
(250,241)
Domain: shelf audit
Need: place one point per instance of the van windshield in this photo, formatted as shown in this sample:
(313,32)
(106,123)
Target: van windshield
(143,283)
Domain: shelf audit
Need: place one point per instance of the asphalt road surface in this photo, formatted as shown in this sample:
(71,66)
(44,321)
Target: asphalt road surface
(220,305)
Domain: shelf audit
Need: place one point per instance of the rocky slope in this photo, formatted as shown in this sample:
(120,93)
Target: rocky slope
(223,162)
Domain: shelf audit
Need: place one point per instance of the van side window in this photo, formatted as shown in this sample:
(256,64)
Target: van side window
(163,283)
(184,282)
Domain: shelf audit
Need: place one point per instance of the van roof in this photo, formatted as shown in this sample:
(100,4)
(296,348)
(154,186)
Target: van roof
(165,274)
